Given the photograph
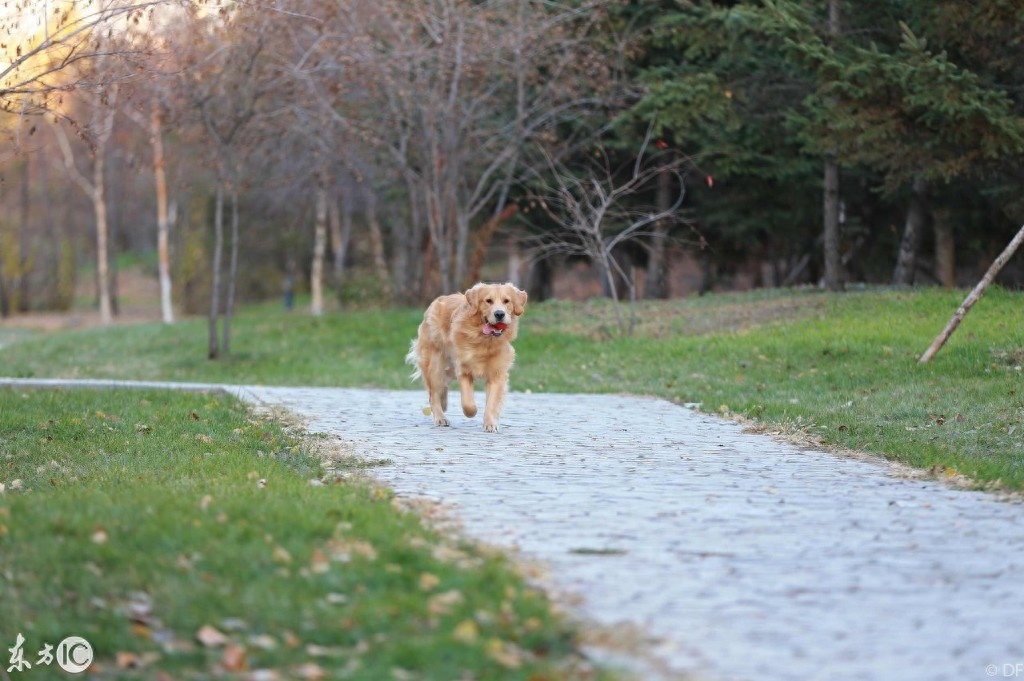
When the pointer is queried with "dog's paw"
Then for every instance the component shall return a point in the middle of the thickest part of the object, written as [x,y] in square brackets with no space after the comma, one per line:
[490,427]
[469,410]
[441,421]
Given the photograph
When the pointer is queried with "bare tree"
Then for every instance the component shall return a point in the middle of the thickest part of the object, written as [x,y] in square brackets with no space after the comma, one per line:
[60,46]
[595,212]
[104,109]
[448,95]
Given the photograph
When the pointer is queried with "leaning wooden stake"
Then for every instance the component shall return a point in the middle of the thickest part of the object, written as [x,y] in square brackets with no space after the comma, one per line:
[971,299]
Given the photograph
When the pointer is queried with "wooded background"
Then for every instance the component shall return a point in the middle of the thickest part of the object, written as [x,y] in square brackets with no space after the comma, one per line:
[390,150]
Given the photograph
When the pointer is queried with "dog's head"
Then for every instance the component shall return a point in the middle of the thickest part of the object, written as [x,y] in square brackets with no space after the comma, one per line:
[497,306]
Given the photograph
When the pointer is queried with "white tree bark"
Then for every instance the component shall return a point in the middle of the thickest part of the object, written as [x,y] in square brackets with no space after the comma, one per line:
[316,283]
[162,214]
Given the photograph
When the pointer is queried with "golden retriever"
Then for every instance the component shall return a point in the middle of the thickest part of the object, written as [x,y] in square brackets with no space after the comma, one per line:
[468,336]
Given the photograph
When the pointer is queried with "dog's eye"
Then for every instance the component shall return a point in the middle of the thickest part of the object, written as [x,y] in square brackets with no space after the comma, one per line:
[490,300]
[505,301]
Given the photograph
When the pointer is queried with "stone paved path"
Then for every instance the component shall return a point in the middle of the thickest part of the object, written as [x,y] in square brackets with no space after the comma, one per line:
[748,559]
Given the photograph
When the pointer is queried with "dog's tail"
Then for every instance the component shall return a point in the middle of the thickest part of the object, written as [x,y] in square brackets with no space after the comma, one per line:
[412,359]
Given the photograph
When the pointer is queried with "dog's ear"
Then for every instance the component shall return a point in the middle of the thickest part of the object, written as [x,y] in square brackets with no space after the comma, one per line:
[471,296]
[518,301]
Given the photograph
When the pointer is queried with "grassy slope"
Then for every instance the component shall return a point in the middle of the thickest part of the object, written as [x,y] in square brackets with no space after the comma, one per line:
[139,520]
[840,368]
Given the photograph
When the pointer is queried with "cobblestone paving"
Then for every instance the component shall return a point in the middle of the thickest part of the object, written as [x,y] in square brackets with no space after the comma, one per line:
[746,558]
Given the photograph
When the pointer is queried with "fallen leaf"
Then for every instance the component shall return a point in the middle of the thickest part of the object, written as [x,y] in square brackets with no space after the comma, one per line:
[126,660]
[263,641]
[233,659]
[281,555]
[442,603]
[466,631]
[211,637]
[263,675]
[335,598]
[204,438]
[319,563]
[429,582]
[310,672]
[505,654]
[99,536]
[314,650]
[205,502]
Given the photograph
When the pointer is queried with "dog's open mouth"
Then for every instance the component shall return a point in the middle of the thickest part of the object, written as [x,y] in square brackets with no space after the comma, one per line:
[493,329]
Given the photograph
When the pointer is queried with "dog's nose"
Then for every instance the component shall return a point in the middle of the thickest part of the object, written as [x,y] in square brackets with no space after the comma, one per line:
[499,315]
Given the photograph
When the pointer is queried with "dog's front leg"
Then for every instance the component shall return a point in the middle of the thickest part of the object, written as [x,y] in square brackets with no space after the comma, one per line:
[497,385]
[468,400]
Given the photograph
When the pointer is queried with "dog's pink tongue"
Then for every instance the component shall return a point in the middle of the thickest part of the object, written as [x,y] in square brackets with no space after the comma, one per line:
[487,329]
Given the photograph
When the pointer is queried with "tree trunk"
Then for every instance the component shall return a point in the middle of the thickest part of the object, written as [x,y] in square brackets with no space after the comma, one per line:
[162,214]
[906,259]
[340,223]
[973,296]
[656,285]
[380,263]
[834,279]
[23,237]
[316,281]
[99,204]
[945,251]
[482,242]
[229,305]
[515,261]
[218,253]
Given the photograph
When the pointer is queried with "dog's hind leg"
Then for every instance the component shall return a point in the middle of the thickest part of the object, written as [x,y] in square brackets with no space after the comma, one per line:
[437,389]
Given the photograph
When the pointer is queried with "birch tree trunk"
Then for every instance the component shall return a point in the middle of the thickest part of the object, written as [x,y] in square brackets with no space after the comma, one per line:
[316,282]
[103,122]
[162,214]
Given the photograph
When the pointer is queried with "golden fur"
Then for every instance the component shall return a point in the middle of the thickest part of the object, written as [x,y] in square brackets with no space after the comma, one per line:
[458,340]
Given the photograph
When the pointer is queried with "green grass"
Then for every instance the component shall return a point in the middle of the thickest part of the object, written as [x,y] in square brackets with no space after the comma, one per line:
[839,370]
[135,518]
